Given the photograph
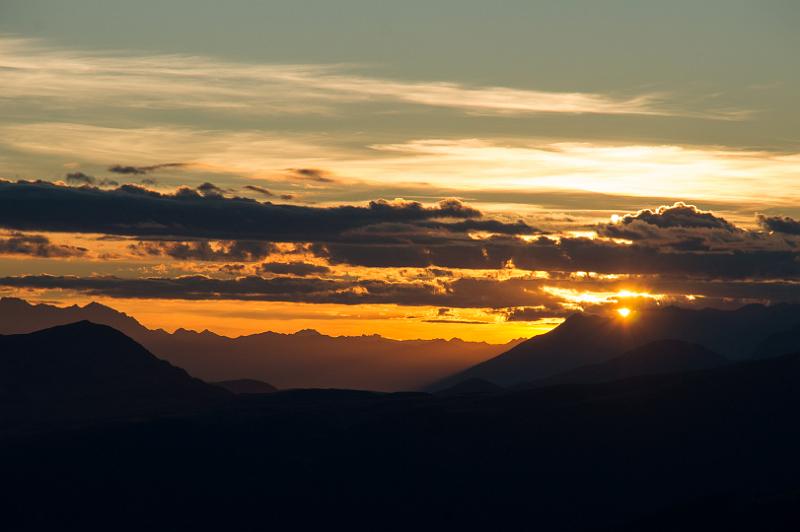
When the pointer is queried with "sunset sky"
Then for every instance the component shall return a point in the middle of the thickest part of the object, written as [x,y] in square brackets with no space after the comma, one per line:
[436,169]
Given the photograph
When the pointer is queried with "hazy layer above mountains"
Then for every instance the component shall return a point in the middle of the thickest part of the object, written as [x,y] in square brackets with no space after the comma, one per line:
[305,359]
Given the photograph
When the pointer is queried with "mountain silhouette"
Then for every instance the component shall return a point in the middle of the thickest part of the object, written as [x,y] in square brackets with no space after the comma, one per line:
[241,386]
[584,339]
[780,343]
[659,357]
[705,450]
[471,386]
[85,371]
[306,359]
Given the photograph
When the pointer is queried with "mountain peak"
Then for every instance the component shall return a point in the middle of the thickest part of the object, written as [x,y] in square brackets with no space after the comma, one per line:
[95,371]
[308,332]
[14,302]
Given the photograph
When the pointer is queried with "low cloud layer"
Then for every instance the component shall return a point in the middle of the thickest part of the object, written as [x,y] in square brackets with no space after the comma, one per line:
[457,256]
[37,246]
[204,213]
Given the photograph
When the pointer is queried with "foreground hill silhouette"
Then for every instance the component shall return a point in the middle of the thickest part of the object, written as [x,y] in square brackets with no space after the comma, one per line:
[659,357]
[84,371]
[703,450]
[706,450]
[302,360]
[240,386]
[585,339]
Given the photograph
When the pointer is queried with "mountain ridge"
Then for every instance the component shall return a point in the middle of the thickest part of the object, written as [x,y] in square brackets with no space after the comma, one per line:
[283,360]
[584,339]
[84,371]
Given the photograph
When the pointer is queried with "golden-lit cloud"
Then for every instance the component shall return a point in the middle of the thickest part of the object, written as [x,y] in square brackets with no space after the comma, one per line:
[702,173]
[644,170]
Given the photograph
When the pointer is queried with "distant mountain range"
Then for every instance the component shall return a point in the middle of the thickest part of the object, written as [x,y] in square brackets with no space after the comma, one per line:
[753,331]
[306,359]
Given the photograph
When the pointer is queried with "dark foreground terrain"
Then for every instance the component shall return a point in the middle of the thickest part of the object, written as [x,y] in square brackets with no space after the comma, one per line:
[712,449]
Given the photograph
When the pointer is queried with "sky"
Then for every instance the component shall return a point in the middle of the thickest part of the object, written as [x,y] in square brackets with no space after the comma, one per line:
[413,169]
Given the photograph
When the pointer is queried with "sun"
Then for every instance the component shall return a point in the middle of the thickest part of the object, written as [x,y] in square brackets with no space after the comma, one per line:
[624,312]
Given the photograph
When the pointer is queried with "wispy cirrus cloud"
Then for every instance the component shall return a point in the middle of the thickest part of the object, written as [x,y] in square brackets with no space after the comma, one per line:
[32,70]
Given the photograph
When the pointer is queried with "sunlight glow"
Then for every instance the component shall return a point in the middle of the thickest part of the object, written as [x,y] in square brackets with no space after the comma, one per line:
[624,312]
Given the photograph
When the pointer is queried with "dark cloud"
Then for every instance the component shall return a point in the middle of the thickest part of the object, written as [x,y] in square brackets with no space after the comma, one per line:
[491,226]
[203,250]
[568,255]
[135,211]
[533,314]
[233,269]
[210,190]
[311,174]
[679,215]
[37,246]
[679,223]
[79,178]
[301,269]
[486,293]
[260,190]
[780,224]
[519,299]
[140,170]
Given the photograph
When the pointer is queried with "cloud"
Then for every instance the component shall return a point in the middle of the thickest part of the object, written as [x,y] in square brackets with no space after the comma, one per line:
[39,72]
[740,258]
[236,250]
[490,226]
[682,239]
[210,190]
[311,174]
[37,246]
[533,314]
[461,293]
[563,175]
[462,322]
[133,211]
[300,269]
[681,227]
[666,171]
[780,224]
[79,178]
[141,170]
[260,190]
[677,215]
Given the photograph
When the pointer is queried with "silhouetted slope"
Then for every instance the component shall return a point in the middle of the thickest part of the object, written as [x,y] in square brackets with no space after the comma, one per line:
[662,356]
[587,339]
[301,360]
[88,371]
[241,386]
[471,386]
[780,343]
